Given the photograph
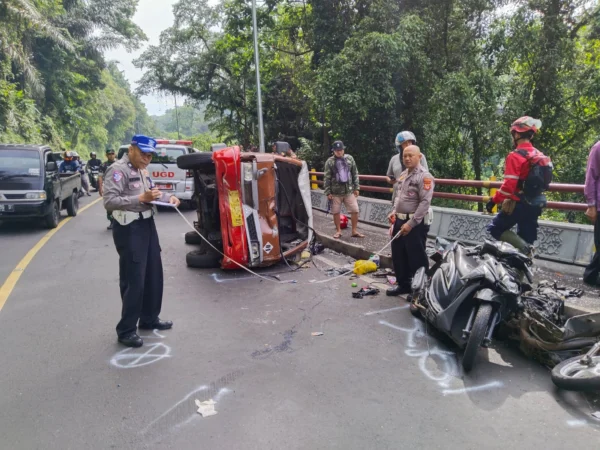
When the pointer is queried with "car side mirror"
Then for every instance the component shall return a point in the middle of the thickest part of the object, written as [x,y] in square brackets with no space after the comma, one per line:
[51,166]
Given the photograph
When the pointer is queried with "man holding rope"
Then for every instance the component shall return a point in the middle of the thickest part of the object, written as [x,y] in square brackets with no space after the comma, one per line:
[409,230]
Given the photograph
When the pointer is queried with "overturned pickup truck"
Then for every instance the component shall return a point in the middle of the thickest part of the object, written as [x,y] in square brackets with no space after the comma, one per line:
[254,208]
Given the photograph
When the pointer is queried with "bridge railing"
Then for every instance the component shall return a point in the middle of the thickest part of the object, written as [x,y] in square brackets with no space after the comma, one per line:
[388,189]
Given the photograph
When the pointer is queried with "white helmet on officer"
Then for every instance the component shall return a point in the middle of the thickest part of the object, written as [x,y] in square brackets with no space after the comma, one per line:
[404,136]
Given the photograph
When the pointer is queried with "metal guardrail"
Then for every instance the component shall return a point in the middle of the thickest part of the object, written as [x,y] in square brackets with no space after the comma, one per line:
[554,187]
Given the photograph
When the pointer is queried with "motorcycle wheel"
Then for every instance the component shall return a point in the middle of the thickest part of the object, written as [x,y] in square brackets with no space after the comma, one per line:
[480,326]
[571,375]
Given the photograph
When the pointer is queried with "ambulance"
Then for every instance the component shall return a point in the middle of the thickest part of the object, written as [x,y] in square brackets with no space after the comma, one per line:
[164,171]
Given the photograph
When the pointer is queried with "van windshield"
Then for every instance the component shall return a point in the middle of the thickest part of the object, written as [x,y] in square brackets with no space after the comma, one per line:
[168,154]
[19,163]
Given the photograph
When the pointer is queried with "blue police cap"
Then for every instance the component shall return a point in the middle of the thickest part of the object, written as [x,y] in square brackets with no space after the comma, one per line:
[144,143]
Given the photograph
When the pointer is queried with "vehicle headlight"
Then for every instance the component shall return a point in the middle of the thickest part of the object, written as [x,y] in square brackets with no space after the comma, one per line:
[248,175]
[255,250]
[35,196]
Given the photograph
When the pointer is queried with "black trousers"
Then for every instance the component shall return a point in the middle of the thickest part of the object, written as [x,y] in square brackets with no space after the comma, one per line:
[408,253]
[593,269]
[140,273]
[524,216]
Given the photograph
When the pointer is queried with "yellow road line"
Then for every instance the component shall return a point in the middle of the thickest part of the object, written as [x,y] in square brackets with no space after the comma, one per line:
[14,276]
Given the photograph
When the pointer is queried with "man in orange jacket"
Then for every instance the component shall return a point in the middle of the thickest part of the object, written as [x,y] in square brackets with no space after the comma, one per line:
[519,207]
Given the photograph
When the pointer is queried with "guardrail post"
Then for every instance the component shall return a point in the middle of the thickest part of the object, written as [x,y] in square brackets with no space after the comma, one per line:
[493,192]
[313,186]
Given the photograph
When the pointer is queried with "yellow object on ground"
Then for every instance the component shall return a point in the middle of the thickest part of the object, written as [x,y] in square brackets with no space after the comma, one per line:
[361,267]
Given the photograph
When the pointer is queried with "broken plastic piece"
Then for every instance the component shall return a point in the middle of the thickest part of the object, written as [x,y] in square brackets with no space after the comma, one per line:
[317,333]
[206,408]
[367,290]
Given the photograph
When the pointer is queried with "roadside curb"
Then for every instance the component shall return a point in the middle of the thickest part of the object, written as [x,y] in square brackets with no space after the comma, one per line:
[355,251]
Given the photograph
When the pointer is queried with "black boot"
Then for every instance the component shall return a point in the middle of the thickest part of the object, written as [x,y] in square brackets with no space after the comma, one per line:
[156,325]
[131,340]
[397,290]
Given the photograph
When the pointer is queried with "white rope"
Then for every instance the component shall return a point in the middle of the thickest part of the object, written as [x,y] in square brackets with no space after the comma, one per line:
[269,279]
[235,262]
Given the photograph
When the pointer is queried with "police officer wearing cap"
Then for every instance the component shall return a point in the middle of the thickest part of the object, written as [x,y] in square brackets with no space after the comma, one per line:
[128,191]
[415,191]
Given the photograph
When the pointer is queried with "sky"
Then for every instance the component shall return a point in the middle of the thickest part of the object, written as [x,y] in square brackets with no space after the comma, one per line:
[153,16]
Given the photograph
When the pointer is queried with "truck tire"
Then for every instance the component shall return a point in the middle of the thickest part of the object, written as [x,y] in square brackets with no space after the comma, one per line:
[192,238]
[199,259]
[72,205]
[201,161]
[53,217]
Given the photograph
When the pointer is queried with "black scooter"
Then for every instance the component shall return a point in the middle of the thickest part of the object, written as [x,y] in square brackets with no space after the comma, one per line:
[470,290]
[93,173]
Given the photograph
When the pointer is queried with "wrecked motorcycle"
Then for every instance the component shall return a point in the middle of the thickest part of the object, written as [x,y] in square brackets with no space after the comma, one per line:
[469,291]
[570,346]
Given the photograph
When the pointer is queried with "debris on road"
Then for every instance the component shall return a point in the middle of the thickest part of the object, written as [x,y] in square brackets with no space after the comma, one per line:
[317,333]
[366,290]
[354,285]
[596,415]
[206,408]
[336,272]
[362,266]
[316,248]
[391,280]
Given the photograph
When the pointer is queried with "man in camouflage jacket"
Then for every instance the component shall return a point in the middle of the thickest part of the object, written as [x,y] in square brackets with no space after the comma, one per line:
[342,187]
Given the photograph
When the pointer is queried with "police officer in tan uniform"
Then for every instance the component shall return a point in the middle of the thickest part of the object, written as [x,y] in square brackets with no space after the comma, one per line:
[415,191]
[128,191]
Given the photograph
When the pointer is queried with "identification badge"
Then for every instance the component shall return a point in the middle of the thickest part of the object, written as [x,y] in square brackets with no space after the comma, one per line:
[236,209]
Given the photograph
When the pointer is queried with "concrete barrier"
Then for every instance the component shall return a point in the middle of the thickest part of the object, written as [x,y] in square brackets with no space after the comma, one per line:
[562,242]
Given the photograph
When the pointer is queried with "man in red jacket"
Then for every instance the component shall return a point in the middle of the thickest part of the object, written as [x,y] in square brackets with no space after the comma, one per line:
[517,208]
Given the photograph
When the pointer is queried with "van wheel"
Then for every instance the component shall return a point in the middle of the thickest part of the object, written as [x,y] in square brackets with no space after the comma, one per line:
[201,161]
[53,218]
[200,259]
[192,238]
[72,205]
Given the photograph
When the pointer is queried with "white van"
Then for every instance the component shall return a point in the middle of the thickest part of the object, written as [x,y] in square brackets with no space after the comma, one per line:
[164,171]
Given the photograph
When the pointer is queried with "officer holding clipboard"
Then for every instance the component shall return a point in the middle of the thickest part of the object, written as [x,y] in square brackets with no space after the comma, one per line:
[128,191]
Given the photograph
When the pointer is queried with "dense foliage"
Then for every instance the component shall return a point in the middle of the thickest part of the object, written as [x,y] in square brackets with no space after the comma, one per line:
[55,85]
[456,72]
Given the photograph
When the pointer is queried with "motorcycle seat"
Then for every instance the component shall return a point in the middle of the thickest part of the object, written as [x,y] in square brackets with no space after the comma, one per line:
[464,262]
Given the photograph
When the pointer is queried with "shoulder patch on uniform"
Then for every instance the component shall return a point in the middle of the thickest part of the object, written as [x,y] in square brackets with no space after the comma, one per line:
[427,183]
[117,176]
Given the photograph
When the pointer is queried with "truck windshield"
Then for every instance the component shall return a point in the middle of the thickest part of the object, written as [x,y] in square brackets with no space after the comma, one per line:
[168,154]
[19,163]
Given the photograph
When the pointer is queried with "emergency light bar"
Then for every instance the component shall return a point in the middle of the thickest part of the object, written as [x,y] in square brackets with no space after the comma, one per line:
[167,141]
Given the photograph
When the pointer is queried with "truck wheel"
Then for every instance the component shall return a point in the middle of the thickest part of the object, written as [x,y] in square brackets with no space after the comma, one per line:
[196,161]
[192,238]
[72,205]
[198,259]
[53,218]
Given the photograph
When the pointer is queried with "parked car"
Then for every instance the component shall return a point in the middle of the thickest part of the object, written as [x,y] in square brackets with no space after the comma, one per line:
[164,171]
[255,208]
[31,187]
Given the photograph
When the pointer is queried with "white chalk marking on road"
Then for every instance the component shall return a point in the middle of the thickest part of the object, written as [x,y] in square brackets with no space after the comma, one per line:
[194,392]
[156,335]
[483,387]
[577,423]
[126,359]
[450,367]
[381,311]
[216,278]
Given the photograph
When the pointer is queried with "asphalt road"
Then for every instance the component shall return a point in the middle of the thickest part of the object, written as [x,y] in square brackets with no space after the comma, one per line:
[373,380]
